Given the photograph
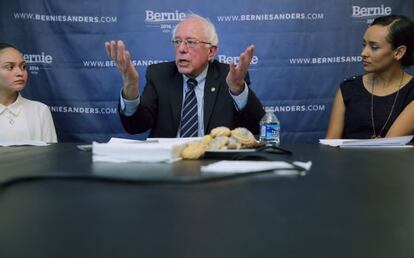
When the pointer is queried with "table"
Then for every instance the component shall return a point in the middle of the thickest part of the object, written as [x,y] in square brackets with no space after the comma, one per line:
[54,202]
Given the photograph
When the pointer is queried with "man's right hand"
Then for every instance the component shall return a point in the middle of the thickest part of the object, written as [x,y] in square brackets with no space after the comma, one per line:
[117,52]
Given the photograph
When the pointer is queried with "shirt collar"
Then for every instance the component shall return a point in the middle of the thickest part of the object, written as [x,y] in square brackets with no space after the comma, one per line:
[201,77]
[14,107]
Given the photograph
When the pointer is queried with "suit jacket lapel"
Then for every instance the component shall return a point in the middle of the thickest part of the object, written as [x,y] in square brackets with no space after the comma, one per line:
[176,98]
[211,90]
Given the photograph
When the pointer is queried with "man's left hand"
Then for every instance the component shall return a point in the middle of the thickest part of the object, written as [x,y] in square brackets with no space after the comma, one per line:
[237,73]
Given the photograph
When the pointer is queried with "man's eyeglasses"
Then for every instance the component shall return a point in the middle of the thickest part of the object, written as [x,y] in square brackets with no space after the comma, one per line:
[191,43]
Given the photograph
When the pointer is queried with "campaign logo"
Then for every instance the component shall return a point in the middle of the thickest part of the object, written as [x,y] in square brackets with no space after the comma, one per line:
[235,59]
[368,14]
[36,62]
[165,21]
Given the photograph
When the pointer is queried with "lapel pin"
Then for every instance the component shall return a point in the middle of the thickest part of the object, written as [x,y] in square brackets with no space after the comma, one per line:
[213,89]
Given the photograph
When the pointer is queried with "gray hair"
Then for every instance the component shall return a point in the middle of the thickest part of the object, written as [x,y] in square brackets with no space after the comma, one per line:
[209,28]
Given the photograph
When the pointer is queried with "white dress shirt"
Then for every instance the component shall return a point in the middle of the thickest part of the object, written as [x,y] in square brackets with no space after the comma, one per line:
[26,120]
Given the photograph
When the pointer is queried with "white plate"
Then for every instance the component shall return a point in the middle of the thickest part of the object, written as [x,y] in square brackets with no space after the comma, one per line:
[231,151]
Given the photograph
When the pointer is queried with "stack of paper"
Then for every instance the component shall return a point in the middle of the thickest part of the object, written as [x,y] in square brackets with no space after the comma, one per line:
[391,142]
[152,150]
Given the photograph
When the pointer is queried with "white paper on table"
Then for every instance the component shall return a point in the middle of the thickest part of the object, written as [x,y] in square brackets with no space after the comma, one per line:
[390,142]
[23,143]
[127,150]
[155,140]
[245,166]
[123,140]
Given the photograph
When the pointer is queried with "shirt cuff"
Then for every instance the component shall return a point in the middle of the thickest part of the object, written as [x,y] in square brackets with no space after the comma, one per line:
[128,107]
[240,101]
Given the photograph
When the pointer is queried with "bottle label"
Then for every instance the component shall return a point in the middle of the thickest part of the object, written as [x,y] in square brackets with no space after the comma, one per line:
[269,132]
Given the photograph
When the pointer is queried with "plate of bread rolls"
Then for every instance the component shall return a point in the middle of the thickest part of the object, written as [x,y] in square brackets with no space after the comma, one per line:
[221,140]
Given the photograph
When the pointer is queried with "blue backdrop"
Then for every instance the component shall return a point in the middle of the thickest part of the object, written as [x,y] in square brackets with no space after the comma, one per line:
[304,49]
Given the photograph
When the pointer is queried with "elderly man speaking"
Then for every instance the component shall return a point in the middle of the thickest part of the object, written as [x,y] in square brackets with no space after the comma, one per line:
[194,94]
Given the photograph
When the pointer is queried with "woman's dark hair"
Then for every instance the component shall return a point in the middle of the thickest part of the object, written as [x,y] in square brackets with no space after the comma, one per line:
[401,33]
[6,45]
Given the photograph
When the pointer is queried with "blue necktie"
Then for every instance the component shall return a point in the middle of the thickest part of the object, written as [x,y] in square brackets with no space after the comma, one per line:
[189,118]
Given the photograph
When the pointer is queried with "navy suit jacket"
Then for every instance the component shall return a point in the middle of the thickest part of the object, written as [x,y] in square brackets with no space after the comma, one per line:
[161,103]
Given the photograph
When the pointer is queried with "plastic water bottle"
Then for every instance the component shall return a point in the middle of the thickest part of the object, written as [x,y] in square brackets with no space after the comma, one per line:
[270,128]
